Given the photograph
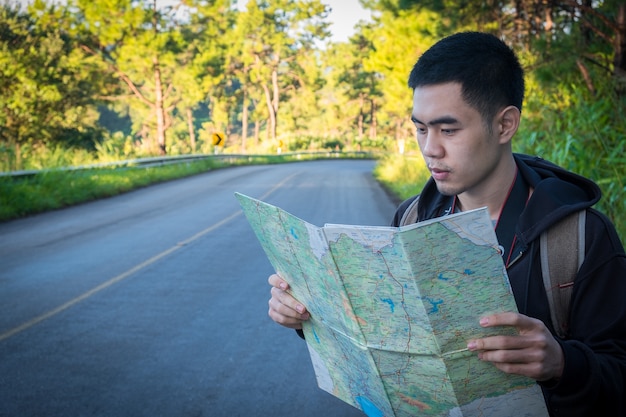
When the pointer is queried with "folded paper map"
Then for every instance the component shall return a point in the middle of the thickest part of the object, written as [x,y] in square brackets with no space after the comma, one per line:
[392,310]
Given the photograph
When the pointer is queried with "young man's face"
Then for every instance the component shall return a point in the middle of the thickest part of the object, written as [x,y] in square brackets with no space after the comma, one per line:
[461,154]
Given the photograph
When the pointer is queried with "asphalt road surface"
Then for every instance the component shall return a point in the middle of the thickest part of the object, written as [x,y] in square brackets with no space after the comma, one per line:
[154,303]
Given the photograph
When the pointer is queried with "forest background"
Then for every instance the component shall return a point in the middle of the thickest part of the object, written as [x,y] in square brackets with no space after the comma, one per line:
[84,81]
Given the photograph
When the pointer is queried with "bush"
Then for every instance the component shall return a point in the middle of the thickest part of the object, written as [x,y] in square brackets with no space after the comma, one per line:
[583,133]
[403,175]
[50,190]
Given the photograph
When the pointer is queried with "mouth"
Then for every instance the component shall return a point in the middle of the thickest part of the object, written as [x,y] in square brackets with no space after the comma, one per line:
[439,174]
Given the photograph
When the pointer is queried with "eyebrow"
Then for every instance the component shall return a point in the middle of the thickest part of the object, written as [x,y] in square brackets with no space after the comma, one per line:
[444,120]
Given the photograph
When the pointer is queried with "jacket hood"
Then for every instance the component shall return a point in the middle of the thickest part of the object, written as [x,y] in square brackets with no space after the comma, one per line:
[556,194]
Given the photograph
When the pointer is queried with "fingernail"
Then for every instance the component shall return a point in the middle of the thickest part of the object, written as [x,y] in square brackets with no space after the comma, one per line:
[300,308]
[471,345]
[484,321]
[283,285]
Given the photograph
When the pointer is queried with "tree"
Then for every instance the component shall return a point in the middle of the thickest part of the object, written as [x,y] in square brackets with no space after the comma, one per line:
[142,45]
[397,41]
[355,89]
[608,23]
[575,32]
[208,36]
[276,33]
[46,89]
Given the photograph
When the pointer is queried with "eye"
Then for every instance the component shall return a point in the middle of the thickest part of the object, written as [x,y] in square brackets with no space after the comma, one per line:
[449,132]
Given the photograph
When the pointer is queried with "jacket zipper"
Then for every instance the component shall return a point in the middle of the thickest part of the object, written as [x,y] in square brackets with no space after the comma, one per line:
[512,262]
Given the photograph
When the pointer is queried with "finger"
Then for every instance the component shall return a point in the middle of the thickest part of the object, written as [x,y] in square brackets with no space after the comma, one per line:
[288,300]
[284,314]
[521,363]
[527,362]
[525,340]
[276,281]
[283,319]
[511,356]
[500,319]
[521,322]
[498,343]
[530,370]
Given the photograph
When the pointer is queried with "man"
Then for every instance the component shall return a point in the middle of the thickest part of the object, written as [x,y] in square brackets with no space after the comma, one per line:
[467,99]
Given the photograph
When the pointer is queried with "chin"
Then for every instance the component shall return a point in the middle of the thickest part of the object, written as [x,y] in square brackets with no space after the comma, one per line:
[447,190]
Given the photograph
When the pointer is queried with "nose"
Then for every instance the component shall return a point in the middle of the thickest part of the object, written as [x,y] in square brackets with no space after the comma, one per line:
[430,145]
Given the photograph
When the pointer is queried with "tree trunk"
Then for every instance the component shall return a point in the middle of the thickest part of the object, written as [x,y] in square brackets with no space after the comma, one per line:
[585,73]
[244,120]
[158,89]
[619,59]
[18,155]
[361,117]
[519,21]
[587,33]
[257,132]
[548,26]
[373,121]
[275,101]
[159,107]
[271,129]
[192,133]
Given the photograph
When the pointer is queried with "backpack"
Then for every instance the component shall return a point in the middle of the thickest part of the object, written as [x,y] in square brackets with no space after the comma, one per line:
[562,250]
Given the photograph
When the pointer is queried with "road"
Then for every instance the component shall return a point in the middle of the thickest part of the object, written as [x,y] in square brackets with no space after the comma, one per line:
[154,303]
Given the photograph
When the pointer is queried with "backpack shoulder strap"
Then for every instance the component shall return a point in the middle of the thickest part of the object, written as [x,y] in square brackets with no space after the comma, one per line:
[562,249]
[410,214]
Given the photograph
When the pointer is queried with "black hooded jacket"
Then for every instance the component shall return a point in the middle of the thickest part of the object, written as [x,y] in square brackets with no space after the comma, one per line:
[594,376]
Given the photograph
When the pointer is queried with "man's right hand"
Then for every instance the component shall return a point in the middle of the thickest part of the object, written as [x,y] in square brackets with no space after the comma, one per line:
[284,309]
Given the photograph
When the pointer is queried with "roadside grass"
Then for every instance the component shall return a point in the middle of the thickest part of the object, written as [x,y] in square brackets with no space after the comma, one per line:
[402,175]
[55,189]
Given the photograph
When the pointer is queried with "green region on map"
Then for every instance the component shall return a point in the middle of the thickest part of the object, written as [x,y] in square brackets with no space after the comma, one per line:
[392,310]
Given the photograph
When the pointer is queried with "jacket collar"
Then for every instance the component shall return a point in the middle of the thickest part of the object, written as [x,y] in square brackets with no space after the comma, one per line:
[556,193]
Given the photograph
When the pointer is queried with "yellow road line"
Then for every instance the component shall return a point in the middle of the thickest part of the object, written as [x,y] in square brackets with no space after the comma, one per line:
[131,271]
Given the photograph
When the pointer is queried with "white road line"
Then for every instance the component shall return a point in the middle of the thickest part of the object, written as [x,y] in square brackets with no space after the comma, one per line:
[133,270]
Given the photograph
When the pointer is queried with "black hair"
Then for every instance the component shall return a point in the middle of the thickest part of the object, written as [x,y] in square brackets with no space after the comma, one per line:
[488,71]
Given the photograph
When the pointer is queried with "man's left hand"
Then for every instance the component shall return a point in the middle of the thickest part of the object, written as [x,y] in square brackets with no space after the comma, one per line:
[534,353]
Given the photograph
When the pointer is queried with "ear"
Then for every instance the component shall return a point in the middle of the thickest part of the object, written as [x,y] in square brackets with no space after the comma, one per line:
[507,122]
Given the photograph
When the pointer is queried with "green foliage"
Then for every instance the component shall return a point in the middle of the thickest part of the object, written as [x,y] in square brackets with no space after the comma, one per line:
[273,56]
[351,93]
[404,176]
[397,43]
[113,147]
[584,133]
[117,147]
[194,67]
[303,143]
[333,145]
[213,58]
[54,156]
[52,190]
[45,92]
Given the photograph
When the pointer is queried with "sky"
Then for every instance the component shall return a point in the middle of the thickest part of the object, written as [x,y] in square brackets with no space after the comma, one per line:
[343,16]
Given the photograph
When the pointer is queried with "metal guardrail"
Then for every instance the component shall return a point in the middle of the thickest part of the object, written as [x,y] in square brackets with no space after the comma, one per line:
[179,159]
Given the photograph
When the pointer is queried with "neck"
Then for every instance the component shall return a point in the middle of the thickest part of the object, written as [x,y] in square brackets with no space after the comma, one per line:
[492,193]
